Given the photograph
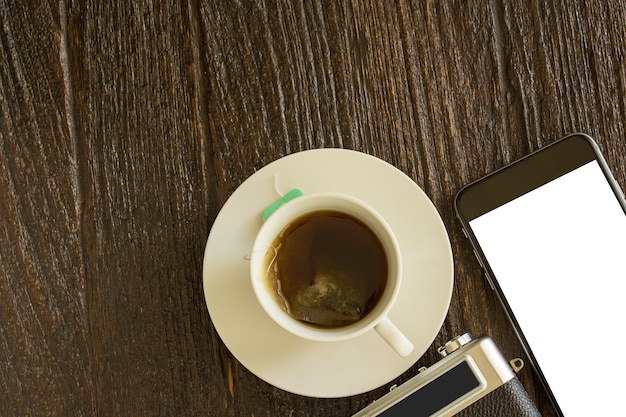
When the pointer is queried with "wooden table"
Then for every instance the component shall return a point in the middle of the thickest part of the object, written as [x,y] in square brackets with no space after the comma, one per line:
[125,127]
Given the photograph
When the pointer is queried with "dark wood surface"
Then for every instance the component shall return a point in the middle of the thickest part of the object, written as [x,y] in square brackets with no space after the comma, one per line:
[125,126]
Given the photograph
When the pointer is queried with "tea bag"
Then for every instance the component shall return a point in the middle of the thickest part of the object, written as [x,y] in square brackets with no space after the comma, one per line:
[334,296]
[325,302]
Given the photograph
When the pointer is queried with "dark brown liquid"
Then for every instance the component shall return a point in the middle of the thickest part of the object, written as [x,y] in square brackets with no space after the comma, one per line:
[327,269]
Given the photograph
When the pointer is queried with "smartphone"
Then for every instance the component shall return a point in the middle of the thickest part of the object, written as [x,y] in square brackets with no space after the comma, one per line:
[549,231]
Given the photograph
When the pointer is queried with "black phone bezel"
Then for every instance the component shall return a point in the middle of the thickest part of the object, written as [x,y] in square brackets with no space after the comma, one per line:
[515,180]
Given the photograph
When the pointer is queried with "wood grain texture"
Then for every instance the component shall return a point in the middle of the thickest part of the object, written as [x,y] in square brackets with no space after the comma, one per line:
[124,128]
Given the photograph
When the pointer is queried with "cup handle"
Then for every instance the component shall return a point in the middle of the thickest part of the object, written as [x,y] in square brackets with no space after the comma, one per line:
[390,333]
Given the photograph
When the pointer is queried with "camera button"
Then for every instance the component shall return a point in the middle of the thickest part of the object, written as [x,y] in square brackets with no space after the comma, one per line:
[454,344]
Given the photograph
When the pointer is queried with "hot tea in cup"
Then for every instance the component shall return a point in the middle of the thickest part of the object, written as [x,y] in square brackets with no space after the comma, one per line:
[327,267]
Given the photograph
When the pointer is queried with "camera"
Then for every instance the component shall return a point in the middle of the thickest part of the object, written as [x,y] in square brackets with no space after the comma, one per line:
[472,380]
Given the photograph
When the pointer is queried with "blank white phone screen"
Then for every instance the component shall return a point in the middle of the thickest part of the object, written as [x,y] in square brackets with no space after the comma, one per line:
[558,254]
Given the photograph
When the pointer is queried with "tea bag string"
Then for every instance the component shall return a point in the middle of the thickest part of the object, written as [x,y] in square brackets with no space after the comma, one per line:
[277,189]
[293,193]
[276,185]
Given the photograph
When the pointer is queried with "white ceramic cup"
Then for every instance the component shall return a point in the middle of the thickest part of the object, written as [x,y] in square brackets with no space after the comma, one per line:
[377,319]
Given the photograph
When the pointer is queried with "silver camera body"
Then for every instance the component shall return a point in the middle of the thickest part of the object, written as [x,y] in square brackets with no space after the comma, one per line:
[472,380]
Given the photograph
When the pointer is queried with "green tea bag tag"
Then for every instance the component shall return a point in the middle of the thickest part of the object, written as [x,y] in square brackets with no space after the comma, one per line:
[295,193]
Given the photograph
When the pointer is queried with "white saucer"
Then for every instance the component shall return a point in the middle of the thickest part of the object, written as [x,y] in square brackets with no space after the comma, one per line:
[319,369]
